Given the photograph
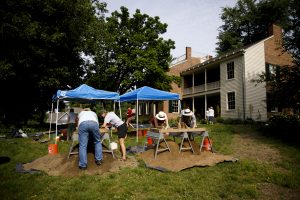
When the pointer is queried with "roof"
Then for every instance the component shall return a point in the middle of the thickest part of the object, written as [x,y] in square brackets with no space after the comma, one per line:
[85,93]
[148,93]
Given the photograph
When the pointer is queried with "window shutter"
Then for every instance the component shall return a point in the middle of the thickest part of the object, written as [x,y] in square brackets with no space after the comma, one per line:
[170,106]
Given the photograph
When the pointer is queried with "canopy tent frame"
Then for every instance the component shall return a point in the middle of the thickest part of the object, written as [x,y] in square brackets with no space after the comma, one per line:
[147,94]
[86,94]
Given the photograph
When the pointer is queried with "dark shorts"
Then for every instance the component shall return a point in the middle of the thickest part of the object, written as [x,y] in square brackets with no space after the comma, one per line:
[122,131]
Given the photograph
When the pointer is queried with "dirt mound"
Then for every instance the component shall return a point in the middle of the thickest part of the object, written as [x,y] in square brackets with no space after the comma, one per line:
[60,165]
[175,161]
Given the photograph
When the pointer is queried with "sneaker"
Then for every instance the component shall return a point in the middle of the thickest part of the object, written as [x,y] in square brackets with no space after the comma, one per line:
[82,168]
[99,162]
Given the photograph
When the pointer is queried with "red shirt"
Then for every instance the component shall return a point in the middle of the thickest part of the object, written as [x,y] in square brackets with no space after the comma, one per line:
[129,113]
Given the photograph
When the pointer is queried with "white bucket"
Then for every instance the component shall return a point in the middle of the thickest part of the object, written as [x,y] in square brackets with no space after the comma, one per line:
[113,146]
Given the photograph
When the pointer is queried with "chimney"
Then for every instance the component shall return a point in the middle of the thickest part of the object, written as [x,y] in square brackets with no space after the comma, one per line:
[188,53]
[276,31]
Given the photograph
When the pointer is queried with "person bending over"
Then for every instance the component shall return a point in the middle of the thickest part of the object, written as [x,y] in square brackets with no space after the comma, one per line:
[88,128]
[187,119]
[113,119]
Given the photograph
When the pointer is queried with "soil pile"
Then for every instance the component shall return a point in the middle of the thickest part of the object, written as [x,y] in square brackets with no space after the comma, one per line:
[175,161]
[60,165]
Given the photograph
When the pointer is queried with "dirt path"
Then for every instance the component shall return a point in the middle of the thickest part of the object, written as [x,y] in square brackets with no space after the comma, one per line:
[249,145]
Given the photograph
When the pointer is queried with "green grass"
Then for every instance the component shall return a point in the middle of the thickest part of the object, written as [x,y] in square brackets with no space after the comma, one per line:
[238,180]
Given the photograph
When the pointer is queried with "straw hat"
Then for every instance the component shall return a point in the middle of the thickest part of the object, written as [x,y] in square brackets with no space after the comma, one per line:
[187,112]
[161,115]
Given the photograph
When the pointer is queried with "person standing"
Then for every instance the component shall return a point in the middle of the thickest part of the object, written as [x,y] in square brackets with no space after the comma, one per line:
[130,115]
[211,115]
[207,115]
[88,127]
[113,119]
[71,123]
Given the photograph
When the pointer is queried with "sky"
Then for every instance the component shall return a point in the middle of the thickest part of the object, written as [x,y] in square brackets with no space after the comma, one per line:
[191,23]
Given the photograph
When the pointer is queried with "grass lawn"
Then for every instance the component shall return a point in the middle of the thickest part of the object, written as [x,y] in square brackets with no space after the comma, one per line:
[267,169]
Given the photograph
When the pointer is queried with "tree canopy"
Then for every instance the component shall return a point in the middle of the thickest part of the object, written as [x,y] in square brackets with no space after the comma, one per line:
[247,22]
[41,43]
[60,44]
[133,53]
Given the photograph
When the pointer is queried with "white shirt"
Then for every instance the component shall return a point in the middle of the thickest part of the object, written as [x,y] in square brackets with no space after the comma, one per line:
[211,112]
[113,119]
[87,116]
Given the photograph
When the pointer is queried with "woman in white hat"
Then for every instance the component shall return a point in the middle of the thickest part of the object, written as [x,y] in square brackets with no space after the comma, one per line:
[160,120]
[187,117]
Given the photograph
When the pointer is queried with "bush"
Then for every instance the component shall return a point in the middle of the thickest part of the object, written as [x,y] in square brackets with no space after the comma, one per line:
[284,126]
[220,120]
[232,121]
[173,122]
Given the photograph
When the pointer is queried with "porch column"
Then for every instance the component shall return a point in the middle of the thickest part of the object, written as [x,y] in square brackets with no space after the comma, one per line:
[193,89]
[205,88]
[193,103]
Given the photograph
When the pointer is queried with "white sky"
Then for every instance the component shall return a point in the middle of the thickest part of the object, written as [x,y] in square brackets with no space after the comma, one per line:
[191,23]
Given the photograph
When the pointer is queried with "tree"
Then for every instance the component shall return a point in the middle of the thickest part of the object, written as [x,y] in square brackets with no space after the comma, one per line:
[41,45]
[132,53]
[248,22]
[252,26]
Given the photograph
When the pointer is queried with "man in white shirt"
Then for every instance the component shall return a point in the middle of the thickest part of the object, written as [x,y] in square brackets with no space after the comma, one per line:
[88,127]
[211,115]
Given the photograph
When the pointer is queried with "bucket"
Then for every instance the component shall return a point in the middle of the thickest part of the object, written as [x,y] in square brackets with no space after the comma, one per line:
[149,140]
[145,132]
[140,133]
[113,146]
[53,149]
[206,145]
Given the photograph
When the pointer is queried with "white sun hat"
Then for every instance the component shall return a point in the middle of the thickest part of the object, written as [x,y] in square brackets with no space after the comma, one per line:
[161,115]
[187,112]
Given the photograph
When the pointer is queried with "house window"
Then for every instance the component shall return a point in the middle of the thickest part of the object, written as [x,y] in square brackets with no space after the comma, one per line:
[271,71]
[230,70]
[173,106]
[144,108]
[274,109]
[231,100]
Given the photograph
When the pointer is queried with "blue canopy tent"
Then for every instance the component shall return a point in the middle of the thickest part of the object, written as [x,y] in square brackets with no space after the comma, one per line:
[147,94]
[85,94]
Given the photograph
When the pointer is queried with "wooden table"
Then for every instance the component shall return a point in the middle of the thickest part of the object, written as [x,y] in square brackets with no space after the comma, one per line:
[185,134]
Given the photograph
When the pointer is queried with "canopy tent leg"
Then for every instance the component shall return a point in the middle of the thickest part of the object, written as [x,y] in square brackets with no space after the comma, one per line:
[56,121]
[120,110]
[137,120]
[51,112]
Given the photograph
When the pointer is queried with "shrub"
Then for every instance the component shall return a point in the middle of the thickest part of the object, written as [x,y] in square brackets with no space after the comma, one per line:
[282,125]
[219,119]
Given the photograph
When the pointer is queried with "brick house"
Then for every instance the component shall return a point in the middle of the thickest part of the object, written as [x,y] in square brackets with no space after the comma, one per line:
[179,65]
[225,82]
